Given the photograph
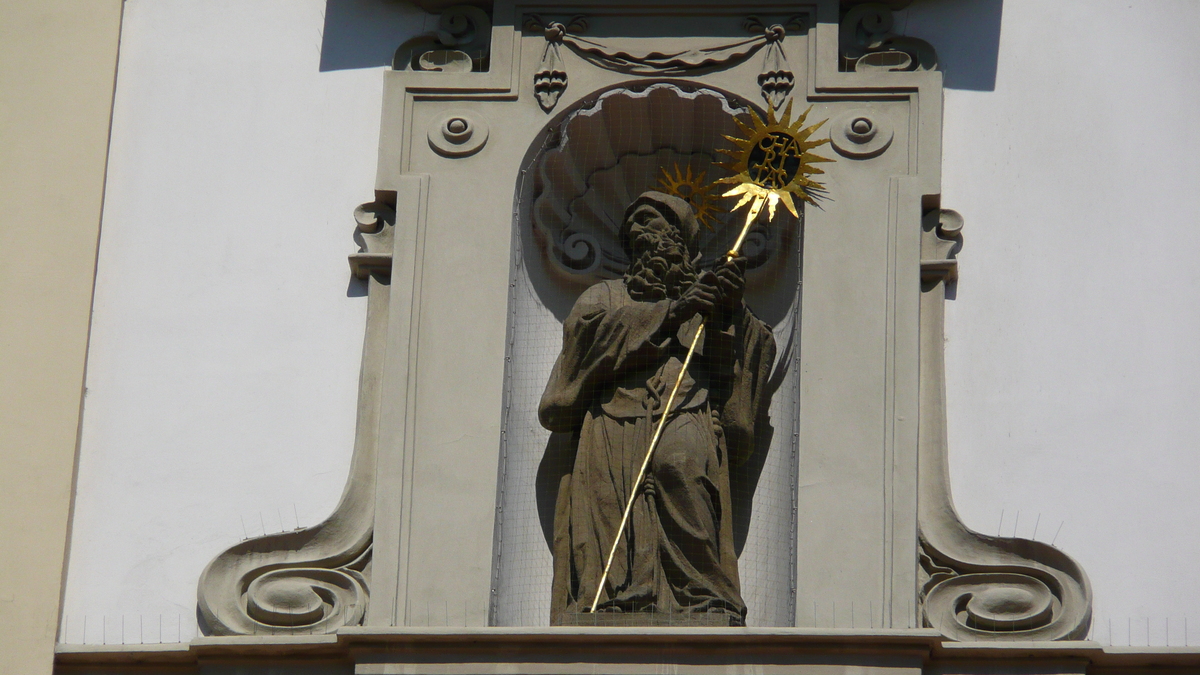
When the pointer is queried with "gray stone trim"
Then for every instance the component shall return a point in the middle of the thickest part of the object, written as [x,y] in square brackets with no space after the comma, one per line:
[317,578]
[636,651]
[976,586]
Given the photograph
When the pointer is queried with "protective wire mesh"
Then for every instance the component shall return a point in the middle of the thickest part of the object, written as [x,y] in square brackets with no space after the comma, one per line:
[711,537]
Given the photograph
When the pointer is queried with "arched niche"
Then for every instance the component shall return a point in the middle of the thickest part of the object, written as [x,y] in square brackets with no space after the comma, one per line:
[577,177]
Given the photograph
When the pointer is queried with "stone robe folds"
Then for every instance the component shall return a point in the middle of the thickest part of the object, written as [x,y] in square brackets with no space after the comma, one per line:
[607,389]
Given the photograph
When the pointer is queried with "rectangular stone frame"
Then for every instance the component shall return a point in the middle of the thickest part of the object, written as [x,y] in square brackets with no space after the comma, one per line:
[443,376]
[878,544]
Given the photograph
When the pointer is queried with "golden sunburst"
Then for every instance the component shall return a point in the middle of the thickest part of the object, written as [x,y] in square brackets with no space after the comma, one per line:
[773,163]
[693,189]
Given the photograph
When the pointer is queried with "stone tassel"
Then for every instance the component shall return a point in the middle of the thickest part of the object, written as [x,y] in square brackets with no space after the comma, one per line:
[550,80]
[776,79]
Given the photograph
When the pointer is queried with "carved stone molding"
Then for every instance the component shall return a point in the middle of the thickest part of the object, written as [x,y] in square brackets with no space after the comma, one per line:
[460,43]
[867,43]
[775,81]
[458,133]
[861,133]
[550,79]
[316,579]
[376,229]
[974,586]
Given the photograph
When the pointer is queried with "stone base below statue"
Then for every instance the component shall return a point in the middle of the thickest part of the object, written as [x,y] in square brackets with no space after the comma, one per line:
[650,619]
[617,650]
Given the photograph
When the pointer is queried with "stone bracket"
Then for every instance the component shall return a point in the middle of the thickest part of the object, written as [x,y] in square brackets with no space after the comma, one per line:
[975,586]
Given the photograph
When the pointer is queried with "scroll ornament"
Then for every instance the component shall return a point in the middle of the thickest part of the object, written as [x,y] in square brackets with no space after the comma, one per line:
[315,579]
[974,586]
[374,236]
[550,80]
[867,42]
[460,44]
[305,581]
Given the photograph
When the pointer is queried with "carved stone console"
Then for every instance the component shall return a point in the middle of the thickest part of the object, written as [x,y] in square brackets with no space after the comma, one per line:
[512,139]
[976,586]
[317,579]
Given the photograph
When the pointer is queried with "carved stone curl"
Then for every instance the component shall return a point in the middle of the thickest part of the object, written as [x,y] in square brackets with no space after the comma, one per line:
[460,43]
[975,586]
[867,42]
[316,579]
[376,227]
[312,580]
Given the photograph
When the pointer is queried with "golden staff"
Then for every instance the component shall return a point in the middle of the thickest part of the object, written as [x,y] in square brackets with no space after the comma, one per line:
[770,165]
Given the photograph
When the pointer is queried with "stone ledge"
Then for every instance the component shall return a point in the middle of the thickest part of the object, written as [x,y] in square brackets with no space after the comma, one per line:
[628,650]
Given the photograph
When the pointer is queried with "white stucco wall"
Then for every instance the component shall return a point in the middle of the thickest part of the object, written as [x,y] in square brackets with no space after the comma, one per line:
[1073,368]
[226,336]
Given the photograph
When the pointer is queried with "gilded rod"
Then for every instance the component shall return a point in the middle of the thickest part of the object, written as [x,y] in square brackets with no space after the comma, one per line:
[662,422]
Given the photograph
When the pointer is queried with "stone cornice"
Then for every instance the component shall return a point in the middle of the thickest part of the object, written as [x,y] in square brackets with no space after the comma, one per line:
[625,650]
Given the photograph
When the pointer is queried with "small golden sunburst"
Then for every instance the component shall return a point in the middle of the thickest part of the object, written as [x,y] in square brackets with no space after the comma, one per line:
[773,163]
[693,189]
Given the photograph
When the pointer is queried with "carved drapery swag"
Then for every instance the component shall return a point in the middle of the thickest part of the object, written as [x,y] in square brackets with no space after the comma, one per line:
[775,81]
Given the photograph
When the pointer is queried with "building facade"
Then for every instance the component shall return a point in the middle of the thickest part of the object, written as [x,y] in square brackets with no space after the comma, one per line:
[226,161]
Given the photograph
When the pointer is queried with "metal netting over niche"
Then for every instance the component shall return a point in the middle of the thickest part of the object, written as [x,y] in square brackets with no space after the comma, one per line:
[619,257]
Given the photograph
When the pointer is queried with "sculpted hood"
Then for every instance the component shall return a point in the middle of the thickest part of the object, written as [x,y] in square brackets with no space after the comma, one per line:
[677,212]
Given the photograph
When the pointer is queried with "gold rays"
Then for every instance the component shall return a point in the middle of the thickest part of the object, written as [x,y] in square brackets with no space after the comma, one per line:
[693,189]
[772,164]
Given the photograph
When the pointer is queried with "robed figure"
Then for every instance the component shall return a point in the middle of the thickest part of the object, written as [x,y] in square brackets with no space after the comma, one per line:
[624,344]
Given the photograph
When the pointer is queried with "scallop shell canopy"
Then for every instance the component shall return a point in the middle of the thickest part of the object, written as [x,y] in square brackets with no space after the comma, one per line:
[610,152]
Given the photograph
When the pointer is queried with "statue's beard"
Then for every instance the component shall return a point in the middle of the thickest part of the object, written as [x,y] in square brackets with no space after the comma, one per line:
[663,270]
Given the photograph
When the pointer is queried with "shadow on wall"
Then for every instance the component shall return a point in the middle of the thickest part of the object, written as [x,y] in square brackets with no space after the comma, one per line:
[966,35]
[366,33]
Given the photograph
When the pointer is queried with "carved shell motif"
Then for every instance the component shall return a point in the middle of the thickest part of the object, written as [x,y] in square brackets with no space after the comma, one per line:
[609,152]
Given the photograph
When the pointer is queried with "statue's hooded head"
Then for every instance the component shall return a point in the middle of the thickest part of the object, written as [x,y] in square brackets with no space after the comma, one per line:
[658,235]
[650,205]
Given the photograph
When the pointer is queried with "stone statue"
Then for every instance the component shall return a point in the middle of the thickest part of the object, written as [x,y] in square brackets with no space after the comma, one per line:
[624,343]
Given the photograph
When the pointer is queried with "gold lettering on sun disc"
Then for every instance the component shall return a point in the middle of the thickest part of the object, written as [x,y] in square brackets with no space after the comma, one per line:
[775,160]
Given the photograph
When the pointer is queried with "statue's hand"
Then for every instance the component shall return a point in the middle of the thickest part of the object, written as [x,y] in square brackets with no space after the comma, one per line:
[731,282]
[699,298]
[649,486]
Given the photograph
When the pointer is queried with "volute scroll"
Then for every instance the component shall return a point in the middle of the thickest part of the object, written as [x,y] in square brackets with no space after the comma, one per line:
[975,586]
[316,579]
